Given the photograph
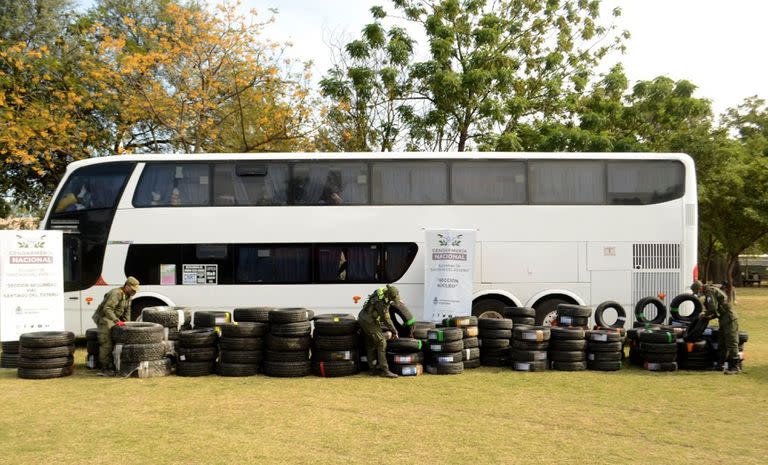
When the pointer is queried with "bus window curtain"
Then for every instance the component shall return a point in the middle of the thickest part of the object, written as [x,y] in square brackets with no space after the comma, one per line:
[396,261]
[156,186]
[362,262]
[251,268]
[329,261]
[291,264]
[193,184]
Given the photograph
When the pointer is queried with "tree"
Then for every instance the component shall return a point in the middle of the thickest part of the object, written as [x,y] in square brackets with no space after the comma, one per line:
[5,208]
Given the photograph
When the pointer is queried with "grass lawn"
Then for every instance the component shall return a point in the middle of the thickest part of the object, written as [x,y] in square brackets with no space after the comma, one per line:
[486,415]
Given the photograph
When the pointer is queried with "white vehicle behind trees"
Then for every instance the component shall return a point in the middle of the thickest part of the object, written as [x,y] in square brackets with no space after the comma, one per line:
[322,231]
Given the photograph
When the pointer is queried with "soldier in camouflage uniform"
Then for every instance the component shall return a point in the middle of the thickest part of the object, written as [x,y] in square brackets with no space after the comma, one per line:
[115,309]
[374,314]
[716,306]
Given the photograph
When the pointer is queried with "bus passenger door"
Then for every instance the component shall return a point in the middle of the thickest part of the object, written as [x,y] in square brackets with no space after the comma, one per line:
[72,280]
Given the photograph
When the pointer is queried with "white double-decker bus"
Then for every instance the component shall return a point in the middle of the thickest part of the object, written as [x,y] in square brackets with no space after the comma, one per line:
[324,230]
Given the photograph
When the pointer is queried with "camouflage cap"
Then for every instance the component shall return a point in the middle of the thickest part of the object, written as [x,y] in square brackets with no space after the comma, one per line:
[394,294]
[133,283]
[697,286]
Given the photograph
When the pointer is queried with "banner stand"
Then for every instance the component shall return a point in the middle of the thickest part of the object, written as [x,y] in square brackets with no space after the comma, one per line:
[448,272]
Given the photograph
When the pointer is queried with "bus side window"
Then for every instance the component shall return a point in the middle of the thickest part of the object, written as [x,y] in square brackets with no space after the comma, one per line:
[93,187]
[166,184]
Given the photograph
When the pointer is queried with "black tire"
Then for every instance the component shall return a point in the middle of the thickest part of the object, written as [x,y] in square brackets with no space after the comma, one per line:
[674,307]
[91,334]
[695,330]
[470,354]
[335,326]
[418,325]
[290,315]
[287,369]
[496,352]
[693,347]
[660,366]
[197,354]
[540,365]
[245,329]
[403,319]
[241,343]
[445,335]
[603,336]
[621,314]
[743,337]
[168,317]
[415,369]
[528,355]
[572,321]
[604,356]
[190,369]
[661,310]
[470,342]
[137,333]
[252,314]
[445,368]
[300,328]
[138,306]
[604,365]
[566,333]
[11,347]
[345,342]
[294,356]
[334,369]
[567,344]
[45,373]
[9,360]
[523,321]
[604,346]
[248,357]
[494,324]
[288,343]
[460,321]
[336,355]
[46,352]
[660,336]
[658,347]
[535,334]
[519,312]
[442,358]
[44,339]
[404,345]
[658,357]
[567,356]
[493,343]
[92,347]
[198,338]
[210,319]
[452,346]
[420,333]
[470,331]
[494,361]
[470,364]
[405,359]
[567,366]
[495,333]
[576,311]
[546,311]
[487,305]
[530,345]
[143,352]
[236,369]
[44,363]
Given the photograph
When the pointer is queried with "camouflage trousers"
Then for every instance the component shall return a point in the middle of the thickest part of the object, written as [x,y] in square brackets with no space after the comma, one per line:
[105,344]
[728,337]
[375,342]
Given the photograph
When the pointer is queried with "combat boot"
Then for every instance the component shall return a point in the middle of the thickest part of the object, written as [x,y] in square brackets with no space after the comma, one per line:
[733,366]
[108,373]
[387,374]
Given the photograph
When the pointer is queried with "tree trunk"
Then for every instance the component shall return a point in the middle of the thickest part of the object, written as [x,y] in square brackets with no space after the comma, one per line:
[733,259]
[708,259]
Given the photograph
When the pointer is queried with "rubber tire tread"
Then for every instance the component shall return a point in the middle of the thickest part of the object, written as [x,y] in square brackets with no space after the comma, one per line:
[198,338]
[445,368]
[207,318]
[44,339]
[445,334]
[567,366]
[573,310]
[248,329]
[334,369]
[494,323]
[45,373]
[495,333]
[540,365]
[493,343]
[248,357]
[143,352]
[451,346]
[236,369]
[290,315]
[567,344]
[287,369]
[604,365]
[197,354]
[593,346]
[661,310]
[674,307]
[566,333]
[401,316]
[137,332]
[620,312]
[528,355]
[345,342]
[542,333]
[405,359]
[404,345]
[331,327]
[300,328]
[598,335]
[43,363]
[529,345]
[470,342]
[252,314]
[286,356]
[336,355]
[519,312]
[288,344]
[47,352]
[193,369]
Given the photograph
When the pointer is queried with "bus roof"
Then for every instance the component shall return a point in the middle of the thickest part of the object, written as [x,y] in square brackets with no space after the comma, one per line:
[313,156]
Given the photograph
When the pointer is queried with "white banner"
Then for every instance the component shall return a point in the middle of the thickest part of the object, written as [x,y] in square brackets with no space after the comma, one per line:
[449,271]
[31,283]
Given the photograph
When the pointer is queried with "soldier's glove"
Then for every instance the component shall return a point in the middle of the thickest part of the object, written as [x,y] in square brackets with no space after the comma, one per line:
[394,335]
[120,323]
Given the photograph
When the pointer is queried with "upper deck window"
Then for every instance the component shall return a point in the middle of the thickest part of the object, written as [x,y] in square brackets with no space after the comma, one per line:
[323,183]
[645,182]
[491,182]
[410,183]
[93,187]
[173,185]
[566,182]
[251,183]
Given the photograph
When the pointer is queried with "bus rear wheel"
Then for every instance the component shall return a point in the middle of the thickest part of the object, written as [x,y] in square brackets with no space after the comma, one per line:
[546,311]
[140,304]
[489,308]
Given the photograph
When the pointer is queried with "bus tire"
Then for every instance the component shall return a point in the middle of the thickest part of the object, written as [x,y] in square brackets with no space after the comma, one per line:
[567,344]
[620,312]
[344,342]
[236,369]
[250,357]
[252,314]
[519,312]
[496,333]
[42,363]
[241,343]
[137,333]
[494,323]
[567,356]
[485,306]
[404,345]
[661,310]
[143,352]
[334,369]
[287,369]
[198,354]
[46,352]
[279,343]
[546,310]
[198,338]
[46,339]
[471,342]
[290,315]
[45,373]
[9,360]
[567,366]
[244,329]
[674,307]
[445,368]
[403,319]
[593,346]
[572,310]
[191,369]
[287,356]
[335,326]
[299,328]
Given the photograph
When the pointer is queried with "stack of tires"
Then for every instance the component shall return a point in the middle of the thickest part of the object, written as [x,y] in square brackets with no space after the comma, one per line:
[649,311]
[420,329]
[405,356]
[605,350]
[494,335]
[658,349]
[445,351]
[334,346]
[521,316]
[172,319]
[694,355]
[288,343]
[140,351]
[92,349]
[46,354]
[470,330]
[573,316]
[711,335]
[9,358]
[567,349]
[240,348]
[529,348]
[210,318]
[197,352]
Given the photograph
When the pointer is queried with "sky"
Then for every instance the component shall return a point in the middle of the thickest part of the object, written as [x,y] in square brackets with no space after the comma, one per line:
[716,44]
